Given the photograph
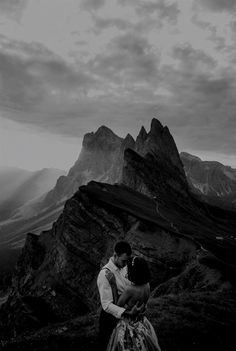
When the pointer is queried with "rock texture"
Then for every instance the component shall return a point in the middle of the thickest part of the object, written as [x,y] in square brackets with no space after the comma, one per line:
[102,159]
[215,182]
[55,278]
[54,303]
[97,161]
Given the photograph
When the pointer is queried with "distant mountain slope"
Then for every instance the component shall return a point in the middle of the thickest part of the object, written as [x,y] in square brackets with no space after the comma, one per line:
[11,179]
[212,180]
[31,187]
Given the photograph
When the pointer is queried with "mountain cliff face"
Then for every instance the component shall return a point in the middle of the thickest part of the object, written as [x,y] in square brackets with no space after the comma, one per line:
[100,151]
[215,182]
[101,158]
[160,143]
[53,302]
[156,155]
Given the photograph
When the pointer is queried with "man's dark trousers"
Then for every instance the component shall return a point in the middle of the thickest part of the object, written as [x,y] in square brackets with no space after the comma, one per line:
[107,323]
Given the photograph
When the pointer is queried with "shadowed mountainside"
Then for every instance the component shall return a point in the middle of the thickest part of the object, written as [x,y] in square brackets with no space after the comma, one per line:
[55,277]
[54,300]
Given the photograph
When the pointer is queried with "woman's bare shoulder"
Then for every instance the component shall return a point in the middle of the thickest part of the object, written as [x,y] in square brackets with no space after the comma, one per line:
[130,288]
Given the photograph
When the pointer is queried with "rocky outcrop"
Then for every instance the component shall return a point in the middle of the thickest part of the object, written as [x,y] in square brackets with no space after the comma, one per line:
[59,267]
[54,296]
[55,278]
[102,154]
[98,160]
[168,187]
[215,182]
[154,166]
[160,143]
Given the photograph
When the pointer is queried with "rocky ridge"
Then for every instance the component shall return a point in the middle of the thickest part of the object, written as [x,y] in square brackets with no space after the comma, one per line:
[54,300]
[102,159]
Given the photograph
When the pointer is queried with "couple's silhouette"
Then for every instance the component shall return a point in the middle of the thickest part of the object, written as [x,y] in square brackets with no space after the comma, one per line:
[123,285]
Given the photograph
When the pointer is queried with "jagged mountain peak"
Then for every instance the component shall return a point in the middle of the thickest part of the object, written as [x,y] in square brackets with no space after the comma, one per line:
[160,143]
[156,127]
[103,137]
[141,139]
[143,133]
[129,136]
[102,156]
[129,141]
[105,131]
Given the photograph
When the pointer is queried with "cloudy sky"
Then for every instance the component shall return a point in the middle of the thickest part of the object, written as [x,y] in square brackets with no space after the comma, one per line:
[70,66]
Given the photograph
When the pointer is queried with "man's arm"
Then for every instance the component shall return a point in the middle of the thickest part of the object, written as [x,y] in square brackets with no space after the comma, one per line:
[130,312]
[124,297]
[106,296]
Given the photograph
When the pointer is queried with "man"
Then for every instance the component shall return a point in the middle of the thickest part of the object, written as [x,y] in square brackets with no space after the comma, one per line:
[111,313]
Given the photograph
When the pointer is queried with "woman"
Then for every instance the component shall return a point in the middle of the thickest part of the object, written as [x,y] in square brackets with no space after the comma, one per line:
[133,333]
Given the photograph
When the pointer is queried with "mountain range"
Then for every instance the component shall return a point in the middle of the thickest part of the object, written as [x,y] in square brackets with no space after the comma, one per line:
[215,182]
[141,194]
[101,159]
[36,199]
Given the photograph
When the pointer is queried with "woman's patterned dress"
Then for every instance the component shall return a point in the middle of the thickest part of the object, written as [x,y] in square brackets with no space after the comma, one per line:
[133,335]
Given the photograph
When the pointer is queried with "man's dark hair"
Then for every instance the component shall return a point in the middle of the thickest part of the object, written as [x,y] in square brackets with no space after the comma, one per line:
[138,271]
[122,247]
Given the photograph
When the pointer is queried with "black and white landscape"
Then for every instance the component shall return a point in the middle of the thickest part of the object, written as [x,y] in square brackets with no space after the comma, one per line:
[109,194]
[117,121]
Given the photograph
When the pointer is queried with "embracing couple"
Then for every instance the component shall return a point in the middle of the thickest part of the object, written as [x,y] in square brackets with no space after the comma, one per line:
[123,285]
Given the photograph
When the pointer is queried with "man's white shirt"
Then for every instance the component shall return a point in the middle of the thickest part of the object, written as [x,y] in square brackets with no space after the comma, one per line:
[105,290]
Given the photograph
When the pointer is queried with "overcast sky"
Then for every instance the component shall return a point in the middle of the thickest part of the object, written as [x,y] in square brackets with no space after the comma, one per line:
[70,66]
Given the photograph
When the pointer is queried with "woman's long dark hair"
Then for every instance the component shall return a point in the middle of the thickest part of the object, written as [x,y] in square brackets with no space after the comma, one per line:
[138,271]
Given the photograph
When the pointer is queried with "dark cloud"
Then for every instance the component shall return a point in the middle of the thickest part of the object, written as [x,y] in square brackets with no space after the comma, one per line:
[102,24]
[87,114]
[57,74]
[27,50]
[164,10]
[219,5]
[214,88]
[126,85]
[13,8]
[18,88]
[25,83]
[202,104]
[129,58]
[92,4]
[191,59]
